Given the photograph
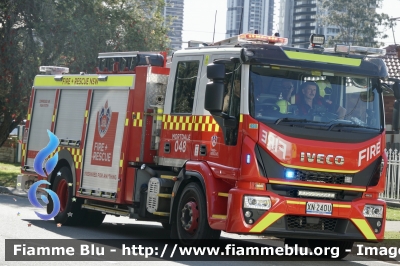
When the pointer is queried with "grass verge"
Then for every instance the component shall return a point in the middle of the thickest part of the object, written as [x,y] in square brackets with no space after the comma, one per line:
[8,174]
[392,214]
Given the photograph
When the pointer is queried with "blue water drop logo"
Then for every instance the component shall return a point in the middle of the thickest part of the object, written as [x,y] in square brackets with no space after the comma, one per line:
[49,166]
[32,198]
[44,153]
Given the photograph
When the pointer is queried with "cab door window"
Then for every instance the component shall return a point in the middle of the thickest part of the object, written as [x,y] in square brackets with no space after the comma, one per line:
[232,90]
[184,87]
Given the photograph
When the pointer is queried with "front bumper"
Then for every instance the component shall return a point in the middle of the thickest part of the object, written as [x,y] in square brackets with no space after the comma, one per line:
[287,217]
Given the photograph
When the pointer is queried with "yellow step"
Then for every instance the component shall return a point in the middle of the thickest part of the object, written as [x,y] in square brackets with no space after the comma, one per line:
[161,213]
[219,216]
[161,195]
[170,177]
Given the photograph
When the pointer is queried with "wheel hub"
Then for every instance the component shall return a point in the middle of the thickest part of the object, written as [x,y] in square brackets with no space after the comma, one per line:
[190,216]
[62,193]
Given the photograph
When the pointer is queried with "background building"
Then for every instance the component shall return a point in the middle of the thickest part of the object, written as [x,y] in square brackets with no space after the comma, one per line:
[249,15]
[285,19]
[299,19]
[174,9]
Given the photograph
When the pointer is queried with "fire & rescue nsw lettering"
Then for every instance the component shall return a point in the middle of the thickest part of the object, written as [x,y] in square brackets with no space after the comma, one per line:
[101,152]
[369,153]
[80,81]
[274,144]
[103,141]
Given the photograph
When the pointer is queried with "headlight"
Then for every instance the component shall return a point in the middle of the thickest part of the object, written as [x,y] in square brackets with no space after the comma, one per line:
[254,202]
[373,211]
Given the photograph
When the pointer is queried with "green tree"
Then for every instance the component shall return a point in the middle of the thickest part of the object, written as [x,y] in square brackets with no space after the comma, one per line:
[67,33]
[18,62]
[357,21]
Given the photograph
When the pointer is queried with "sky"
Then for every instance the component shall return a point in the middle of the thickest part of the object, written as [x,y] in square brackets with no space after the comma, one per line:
[199,17]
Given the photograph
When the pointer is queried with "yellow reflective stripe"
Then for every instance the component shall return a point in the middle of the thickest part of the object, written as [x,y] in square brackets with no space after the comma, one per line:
[86,80]
[364,228]
[295,202]
[321,169]
[121,163]
[312,185]
[323,58]
[304,203]
[342,206]
[266,221]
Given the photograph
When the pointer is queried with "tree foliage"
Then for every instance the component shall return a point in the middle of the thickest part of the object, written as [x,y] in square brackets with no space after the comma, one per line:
[358,21]
[67,33]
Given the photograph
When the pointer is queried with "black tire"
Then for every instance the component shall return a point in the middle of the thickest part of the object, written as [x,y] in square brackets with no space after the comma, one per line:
[92,218]
[166,226]
[341,244]
[68,206]
[193,234]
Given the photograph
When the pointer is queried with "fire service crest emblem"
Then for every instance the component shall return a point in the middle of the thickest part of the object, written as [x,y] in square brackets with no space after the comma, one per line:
[104,119]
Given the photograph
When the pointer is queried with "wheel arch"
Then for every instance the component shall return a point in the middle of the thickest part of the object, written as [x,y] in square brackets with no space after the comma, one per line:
[64,159]
[184,178]
[201,173]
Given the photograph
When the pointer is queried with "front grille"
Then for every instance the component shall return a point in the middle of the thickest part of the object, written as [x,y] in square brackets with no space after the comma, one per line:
[322,177]
[292,192]
[309,223]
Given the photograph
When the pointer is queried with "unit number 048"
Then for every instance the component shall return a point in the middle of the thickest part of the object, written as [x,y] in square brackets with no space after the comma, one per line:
[180,146]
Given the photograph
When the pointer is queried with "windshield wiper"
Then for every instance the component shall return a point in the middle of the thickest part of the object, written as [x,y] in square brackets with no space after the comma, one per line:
[290,120]
[349,125]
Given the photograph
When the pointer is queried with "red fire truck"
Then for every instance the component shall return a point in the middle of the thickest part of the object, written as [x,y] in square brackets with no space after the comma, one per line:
[245,135]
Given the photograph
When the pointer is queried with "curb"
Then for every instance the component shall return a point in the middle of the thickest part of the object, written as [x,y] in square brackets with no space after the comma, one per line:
[394,204]
[13,191]
[4,190]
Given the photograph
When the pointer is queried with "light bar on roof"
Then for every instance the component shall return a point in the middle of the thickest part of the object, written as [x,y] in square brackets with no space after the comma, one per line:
[249,37]
[54,70]
[342,48]
[367,50]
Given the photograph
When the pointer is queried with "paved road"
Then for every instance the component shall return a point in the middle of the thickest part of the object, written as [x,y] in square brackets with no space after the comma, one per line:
[17,213]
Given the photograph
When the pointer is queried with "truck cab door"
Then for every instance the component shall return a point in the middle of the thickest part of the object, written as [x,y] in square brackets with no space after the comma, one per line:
[217,143]
[179,121]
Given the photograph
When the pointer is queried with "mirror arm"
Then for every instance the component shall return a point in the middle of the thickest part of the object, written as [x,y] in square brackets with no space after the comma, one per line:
[228,121]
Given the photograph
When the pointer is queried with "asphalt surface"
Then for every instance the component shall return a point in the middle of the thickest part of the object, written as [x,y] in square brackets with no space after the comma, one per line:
[18,221]
[393,226]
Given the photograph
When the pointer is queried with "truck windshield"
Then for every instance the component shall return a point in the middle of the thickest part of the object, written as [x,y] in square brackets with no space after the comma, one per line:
[314,98]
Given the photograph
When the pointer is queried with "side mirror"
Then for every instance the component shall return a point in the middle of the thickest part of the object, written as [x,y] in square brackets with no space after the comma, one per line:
[214,97]
[396,90]
[396,115]
[216,71]
[245,55]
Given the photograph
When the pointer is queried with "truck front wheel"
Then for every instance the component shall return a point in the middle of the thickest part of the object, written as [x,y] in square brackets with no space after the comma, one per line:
[70,209]
[191,220]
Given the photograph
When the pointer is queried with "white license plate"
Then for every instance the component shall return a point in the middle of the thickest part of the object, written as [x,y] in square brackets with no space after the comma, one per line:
[319,208]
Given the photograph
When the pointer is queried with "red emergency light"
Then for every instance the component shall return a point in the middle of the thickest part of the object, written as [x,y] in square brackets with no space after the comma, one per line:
[249,37]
